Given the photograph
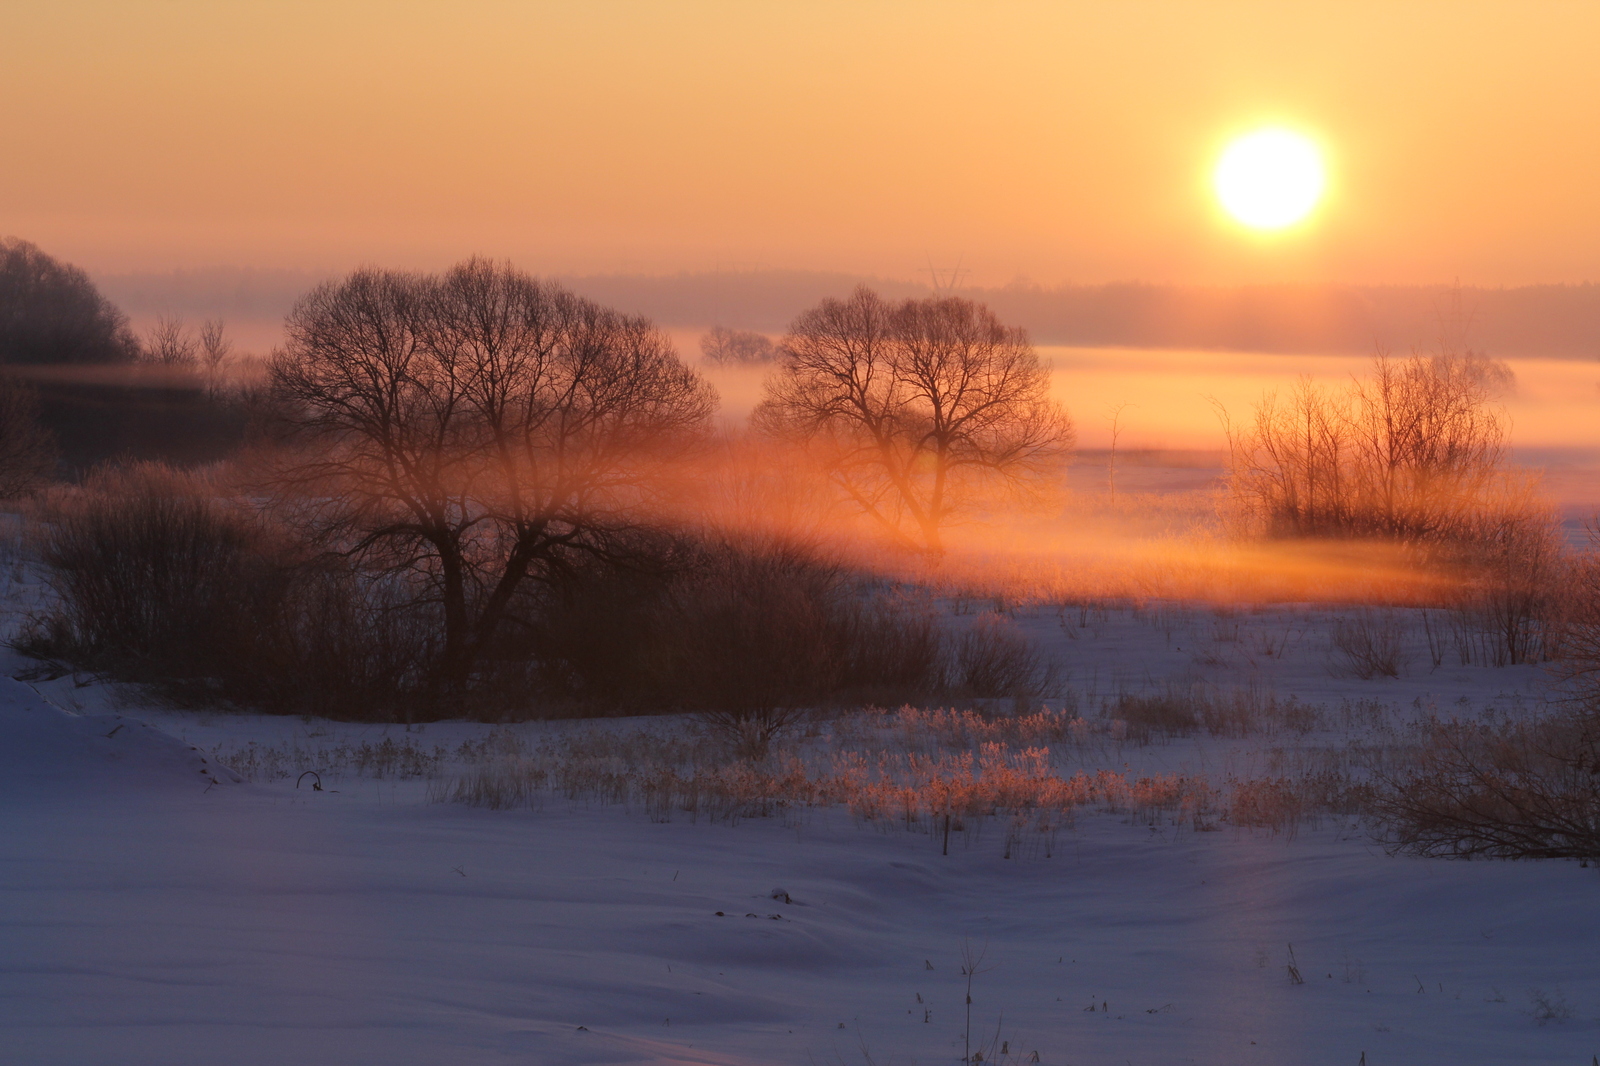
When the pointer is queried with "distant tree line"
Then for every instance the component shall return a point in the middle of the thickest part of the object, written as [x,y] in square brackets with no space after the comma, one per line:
[78,387]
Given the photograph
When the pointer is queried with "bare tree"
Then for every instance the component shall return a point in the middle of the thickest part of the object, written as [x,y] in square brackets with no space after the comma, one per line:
[214,346]
[27,450]
[916,409]
[1289,470]
[1428,441]
[477,430]
[170,343]
[736,347]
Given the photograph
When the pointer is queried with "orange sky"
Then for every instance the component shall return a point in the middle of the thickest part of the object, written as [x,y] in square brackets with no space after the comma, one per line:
[1059,141]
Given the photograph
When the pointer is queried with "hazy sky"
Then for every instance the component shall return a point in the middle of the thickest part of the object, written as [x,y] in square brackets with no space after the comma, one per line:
[1059,141]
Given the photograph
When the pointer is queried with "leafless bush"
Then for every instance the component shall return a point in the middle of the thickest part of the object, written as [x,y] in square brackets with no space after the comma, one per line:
[1578,650]
[1413,453]
[159,577]
[754,639]
[153,576]
[1369,643]
[1184,710]
[171,343]
[994,659]
[1546,1007]
[1149,717]
[753,632]
[1513,789]
[1511,600]
[27,449]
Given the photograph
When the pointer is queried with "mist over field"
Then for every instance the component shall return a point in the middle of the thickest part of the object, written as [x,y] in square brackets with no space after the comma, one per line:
[799,534]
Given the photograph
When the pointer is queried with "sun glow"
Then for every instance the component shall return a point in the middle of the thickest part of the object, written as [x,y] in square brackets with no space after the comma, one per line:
[1270,179]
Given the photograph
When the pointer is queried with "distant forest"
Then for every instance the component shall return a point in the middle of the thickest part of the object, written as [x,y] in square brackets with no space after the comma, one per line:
[1560,321]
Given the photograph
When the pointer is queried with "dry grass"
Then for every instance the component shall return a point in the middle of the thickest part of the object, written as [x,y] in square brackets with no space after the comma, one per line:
[967,771]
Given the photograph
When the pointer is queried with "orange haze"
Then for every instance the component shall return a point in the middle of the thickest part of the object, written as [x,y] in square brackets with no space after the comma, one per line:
[1058,140]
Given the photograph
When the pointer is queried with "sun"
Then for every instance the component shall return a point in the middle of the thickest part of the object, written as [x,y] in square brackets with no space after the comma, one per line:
[1270,179]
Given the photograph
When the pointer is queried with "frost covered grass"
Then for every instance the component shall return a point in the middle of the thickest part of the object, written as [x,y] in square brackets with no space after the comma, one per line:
[935,772]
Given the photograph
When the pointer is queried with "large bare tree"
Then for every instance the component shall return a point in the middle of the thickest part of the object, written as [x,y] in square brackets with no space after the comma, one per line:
[918,410]
[479,429]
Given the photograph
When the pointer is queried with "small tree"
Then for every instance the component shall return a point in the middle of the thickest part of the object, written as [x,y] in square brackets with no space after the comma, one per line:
[916,409]
[477,430]
[170,343]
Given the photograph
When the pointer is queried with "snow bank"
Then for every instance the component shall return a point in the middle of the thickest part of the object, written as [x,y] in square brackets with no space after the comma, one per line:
[44,749]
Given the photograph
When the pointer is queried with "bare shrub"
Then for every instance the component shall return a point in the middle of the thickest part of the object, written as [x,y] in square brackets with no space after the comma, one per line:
[1179,711]
[27,449]
[1578,650]
[1414,454]
[154,578]
[1369,644]
[1513,789]
[1546,1007]
[160,578]
[1510,602]
[1148,717]
[755,640]
[994,659]
[171,343]
[755,633]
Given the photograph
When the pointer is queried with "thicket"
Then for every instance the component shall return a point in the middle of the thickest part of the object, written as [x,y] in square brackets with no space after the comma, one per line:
[172,579]
[1414,456]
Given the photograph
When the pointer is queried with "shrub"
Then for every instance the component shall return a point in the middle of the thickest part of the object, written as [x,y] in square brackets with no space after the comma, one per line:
[1412,454]
[154,577]
[750,633]
[1577,658]
[160,579]
[1512,790]
[27,449]
[993,659]
[1369,644]
[1152,716]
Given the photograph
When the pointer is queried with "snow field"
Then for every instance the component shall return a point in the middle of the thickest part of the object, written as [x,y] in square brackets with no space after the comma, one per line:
[153,916]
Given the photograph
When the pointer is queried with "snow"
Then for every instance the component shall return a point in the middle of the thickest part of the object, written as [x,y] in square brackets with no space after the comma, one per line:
[156,911]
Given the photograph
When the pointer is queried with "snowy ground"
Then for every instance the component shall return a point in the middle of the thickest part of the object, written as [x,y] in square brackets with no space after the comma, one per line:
[157,912]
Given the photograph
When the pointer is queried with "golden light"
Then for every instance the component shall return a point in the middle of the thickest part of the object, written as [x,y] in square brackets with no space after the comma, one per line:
[1270,179]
